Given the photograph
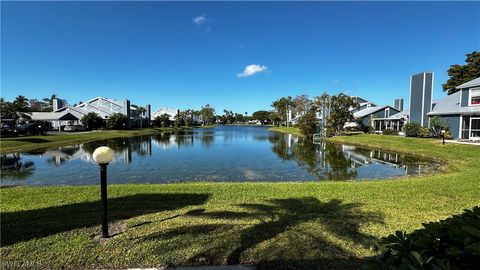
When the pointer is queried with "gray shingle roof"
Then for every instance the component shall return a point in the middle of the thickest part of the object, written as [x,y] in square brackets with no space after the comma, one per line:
[367,111]
[370,110]
[402,114]
[451,105]
[48,116]
[472,83]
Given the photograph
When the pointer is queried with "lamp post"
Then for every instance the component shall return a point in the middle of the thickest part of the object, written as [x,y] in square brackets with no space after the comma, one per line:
[443,136]
[103,155]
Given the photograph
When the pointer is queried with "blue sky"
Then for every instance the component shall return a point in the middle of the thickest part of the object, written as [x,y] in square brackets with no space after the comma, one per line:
[185,55]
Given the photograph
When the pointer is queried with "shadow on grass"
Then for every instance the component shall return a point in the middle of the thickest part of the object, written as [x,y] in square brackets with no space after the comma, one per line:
[290,234]
[25,225]
[29,140]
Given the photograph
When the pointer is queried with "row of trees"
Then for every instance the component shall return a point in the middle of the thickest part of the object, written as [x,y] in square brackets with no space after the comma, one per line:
[18,109]
[21,107]
[190,117]
[323,112]
[93,121]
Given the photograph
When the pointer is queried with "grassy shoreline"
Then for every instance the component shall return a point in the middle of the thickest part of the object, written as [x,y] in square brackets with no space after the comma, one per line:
[290,130]
[330,225]
[29,143]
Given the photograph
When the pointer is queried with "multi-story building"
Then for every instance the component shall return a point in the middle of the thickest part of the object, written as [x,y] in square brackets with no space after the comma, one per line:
[104,107]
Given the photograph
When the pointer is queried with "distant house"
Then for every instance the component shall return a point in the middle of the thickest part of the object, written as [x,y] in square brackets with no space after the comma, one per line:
[171,112]
[461,111]
[421,93]
[394,122]
[363,104]
[104,107]
[374,112]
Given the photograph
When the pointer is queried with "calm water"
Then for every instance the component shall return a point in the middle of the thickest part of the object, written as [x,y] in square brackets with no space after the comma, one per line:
[218,154]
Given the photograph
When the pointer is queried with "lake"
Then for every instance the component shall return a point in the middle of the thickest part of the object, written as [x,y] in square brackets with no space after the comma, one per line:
[223,153]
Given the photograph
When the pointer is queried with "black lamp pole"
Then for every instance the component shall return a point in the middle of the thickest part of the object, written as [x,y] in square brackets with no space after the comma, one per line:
[103,193]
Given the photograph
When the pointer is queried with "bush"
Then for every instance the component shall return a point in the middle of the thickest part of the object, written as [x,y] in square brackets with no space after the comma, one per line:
[92,121]
[453,243]
[448,135]
[117,121]
[330,132]
[389,132]
[308,123]
[162,121]
[436,126]
[412,129]
[424,132]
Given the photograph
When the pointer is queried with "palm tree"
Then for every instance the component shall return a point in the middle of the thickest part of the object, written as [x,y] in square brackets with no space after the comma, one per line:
[21,102]
[16,110]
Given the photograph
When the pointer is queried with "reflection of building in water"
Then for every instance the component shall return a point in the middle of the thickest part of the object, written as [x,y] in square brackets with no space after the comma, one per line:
[339,162]
[291,139]
[13,168]
[361,157]
[122,148]
[62,154]
[169,140]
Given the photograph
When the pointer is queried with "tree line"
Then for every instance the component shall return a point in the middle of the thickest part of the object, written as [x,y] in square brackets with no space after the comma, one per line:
[326,114]
[21,107]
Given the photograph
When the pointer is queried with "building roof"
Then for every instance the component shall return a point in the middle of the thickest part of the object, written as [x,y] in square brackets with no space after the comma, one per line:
[472,83]
[48,116]
[451,105]
[370,110]
[401,115]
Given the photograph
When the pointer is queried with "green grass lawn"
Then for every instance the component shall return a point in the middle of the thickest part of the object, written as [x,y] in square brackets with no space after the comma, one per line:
[28,143]
[329,225]
[207,126]
[291,130]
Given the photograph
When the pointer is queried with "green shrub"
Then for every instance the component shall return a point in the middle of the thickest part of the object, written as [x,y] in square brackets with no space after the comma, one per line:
[330,132]
[117,121]
[308,123]
[448,135]
[389,132]
[91,121]
[453,243]
[424,132]
[162,121]
[412,129]
[436,126]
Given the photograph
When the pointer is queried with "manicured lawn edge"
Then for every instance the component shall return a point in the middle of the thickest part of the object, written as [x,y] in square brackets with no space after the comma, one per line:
[329,225]
[290,130]
[29,143]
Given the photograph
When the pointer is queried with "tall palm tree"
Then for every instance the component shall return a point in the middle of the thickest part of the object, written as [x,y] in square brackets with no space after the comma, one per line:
[22,103]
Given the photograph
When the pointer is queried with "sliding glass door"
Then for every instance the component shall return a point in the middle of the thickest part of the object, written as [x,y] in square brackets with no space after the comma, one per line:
[474,128]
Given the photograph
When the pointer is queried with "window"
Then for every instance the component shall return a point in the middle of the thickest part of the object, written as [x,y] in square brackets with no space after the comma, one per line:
[474,98]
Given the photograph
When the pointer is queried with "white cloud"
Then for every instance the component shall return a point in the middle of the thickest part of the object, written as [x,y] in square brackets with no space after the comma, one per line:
[199,20]
[252,70]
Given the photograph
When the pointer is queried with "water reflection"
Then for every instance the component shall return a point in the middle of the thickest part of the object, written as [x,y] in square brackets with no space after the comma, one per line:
[220,154]
[330,161]
[14,168]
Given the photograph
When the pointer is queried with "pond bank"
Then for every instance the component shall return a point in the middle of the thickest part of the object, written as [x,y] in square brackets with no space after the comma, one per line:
[290,130]
[298,225]
[28,143]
